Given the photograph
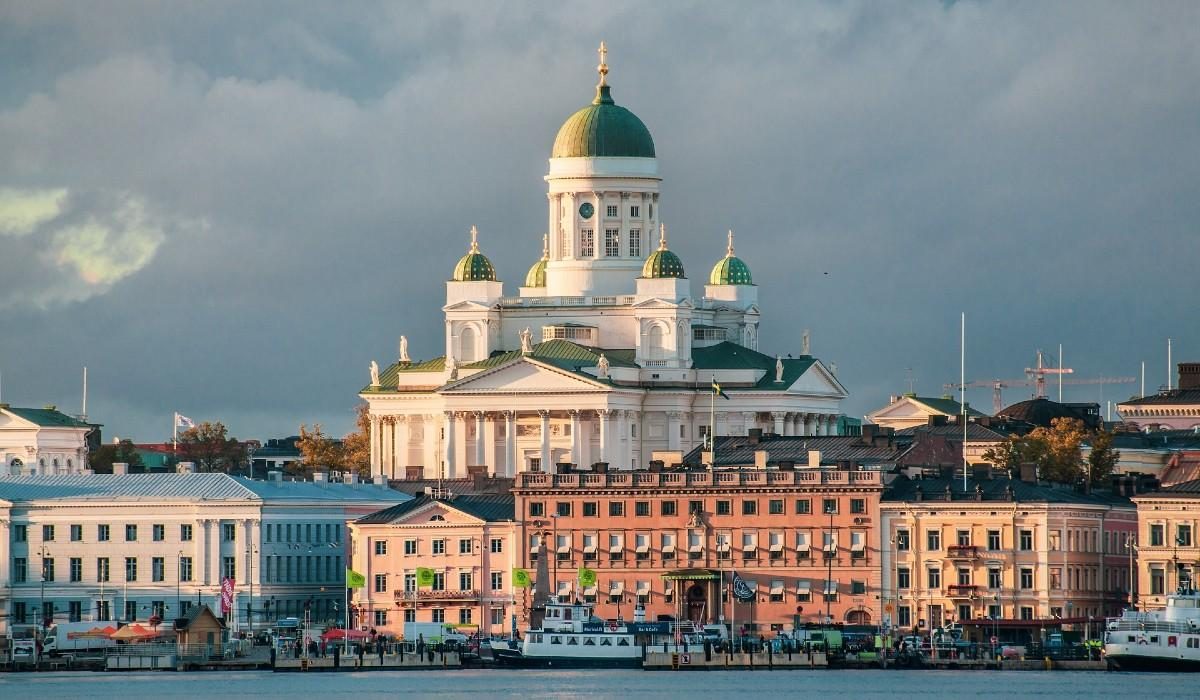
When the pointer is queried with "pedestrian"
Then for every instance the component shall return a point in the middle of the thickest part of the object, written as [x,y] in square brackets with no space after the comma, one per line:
[420,645]
[379,643]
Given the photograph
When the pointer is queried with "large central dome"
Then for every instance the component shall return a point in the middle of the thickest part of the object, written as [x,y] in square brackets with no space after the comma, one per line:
[603,129]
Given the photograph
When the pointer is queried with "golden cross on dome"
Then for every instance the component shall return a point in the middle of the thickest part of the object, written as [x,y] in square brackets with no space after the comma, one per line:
[474,239]
[603,67]
[545,245]
[662,236]
[729,247]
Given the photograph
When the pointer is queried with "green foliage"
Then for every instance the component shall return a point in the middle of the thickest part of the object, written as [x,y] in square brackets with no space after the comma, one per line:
[101,459]
[209,446]
[1055,451]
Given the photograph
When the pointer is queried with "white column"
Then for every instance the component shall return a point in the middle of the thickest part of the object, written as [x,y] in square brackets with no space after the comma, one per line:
[451,457]
[673,430]
[480,439]
[810,424]
[547,467]
[621,443]
[199,561]
[585,438]
[778,418]
[213,563]
[575,437]
[510,443]
[431,429]
[831,424]
[603,416]
[493,456]
[376,464]
[748,421]
[400,430]
[820,425]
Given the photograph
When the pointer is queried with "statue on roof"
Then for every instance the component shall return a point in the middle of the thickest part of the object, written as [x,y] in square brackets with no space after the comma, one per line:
[602,367]
[404,349]
[778,369]
[526,341]
[804,343]
[452,366]
[374,373]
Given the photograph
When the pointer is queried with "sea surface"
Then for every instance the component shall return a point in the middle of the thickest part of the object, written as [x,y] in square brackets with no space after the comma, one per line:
[593,684]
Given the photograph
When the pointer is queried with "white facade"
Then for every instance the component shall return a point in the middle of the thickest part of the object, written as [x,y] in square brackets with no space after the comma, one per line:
[41,441]
[601,364]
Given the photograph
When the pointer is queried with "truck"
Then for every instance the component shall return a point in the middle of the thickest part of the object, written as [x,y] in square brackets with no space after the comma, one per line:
[432,633]
[22,643]
[77,638]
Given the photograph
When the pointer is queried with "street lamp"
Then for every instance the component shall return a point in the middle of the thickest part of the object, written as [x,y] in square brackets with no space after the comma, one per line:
[44,554]
[1131,546]
[829,552]
[251,554]
[178,579]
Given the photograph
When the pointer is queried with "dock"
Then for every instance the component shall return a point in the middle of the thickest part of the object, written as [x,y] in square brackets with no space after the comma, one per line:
[698,660]
[370,662]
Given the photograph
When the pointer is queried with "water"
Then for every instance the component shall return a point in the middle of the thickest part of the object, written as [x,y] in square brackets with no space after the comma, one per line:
[926,685]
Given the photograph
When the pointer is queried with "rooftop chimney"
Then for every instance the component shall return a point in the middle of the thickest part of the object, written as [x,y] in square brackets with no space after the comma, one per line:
[120,468]
[1189,375]
[814,459]
[760,459]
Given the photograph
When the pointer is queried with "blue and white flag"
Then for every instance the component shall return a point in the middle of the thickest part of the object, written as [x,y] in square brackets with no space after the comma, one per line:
[742,590]
[182,421]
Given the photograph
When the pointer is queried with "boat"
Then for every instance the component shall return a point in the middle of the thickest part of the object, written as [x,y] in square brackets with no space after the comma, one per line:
[1158,640]
[571,636]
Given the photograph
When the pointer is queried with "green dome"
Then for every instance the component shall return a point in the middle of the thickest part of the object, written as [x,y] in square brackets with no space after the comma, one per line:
[474,266]
[662,263]
[536,277]
[603,129]
[730,269]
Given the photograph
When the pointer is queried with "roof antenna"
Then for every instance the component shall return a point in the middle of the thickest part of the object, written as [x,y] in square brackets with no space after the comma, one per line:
[912,381]
[83,413]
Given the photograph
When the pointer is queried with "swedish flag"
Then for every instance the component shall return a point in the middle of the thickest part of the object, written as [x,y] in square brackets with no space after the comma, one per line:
[717,390]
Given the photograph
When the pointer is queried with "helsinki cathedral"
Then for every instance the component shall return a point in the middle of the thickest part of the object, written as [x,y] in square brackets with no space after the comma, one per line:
[603,355]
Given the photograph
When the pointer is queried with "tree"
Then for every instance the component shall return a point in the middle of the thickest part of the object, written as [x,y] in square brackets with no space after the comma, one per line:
[1102,460]
[1055,451]
[209,446]
[101,459]
[318,450]
[356,446]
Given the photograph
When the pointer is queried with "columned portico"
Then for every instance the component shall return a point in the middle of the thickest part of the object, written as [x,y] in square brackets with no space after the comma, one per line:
[576,438]
[510,443]
[545,435]
[810,424]
[604,416]
[778,417]
[400,433]
[451,456]
[673,418]
[480,439]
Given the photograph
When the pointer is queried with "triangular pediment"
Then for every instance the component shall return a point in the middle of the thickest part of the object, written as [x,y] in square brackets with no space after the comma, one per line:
[436,513]
[466,306]
[13,421]
[525,375]
[817,379]
[659,303]
[904,408]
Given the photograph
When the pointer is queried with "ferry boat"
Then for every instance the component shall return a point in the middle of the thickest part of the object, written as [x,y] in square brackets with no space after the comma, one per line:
[572,637]
[1159,640]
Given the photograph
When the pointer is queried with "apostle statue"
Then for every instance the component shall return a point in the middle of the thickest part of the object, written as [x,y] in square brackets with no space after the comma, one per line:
[602,367]
[374,373]
[404,349]
[526,341]
[778,369]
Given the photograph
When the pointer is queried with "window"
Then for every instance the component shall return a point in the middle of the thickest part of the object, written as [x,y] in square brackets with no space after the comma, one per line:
[1026,540]
[229,532]
[465,546]
[635,242]
[497,581]
[963,538]
[993,540]
[1055,578]
[47,533]
[131,533]
[935,578]
[610,210]
[612,242]
[749,507]
[635,212]
[590,509]
[464,616]
[75,611]
[229,569]
[904,616]
[464,581]
[775,506]
[695,507]
[76,533]
[410,615]
[102,533]
[993,578]
[102,570]
[933,540]
[185,532]
[380,547]
[439,546]
[964,577]
[829,505]
[1157,581]
[724,507]
[497,545]
[185,568]
[410,547]
[902,540]
[563,508]
[438,615]
[159,532]
[381,583]
[47,569]
[616,509]
[130,568]
[903,578]
[858,587]
[587,243]
[1026,579]
[641,509]
[158,569]
[668,508]
[1183,535]
[537,509]
[130,610]
[803,506]
[380,617]
[20,570]
[858,505]
[20,533]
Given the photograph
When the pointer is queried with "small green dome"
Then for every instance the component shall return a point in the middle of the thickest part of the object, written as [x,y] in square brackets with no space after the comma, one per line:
[536,277]
[662,263]
[730,269]
[602,129]
[474,266]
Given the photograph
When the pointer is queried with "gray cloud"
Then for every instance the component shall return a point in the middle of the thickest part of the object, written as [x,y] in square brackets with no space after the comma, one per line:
[311,174]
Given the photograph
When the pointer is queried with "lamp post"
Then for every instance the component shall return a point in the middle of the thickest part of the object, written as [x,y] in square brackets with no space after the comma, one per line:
[554,561]
[829,553]
[178,580]
[1131,546]
[43,553]
[251,554]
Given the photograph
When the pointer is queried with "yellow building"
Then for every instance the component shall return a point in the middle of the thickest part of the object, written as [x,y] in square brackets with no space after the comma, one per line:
[1002,556]
[1166,541]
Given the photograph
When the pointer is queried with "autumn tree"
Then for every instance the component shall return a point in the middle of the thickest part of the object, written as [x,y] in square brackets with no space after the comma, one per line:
[101,460]
[1102,459]
[210,447]
[318,450]
[1055,451]
[356,446]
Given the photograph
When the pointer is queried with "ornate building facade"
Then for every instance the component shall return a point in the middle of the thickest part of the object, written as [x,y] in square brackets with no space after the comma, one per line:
[604,354]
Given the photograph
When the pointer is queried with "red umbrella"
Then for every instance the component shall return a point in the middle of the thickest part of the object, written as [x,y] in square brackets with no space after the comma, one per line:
[338,634]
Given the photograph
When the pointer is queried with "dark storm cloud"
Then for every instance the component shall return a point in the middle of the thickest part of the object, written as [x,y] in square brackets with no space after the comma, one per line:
[312,173]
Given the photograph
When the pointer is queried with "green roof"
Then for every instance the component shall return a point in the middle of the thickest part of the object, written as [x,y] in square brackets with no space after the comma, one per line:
[603,129]
[536,277]
[943,405]
[48,417]
[474,267]
[663,264]
[730,355]
[730,270]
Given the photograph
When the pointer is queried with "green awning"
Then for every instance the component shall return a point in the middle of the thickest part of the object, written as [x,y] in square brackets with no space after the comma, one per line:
[691,575]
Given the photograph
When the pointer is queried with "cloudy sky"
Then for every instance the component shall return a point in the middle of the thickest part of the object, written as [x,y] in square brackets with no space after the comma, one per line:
[229,209]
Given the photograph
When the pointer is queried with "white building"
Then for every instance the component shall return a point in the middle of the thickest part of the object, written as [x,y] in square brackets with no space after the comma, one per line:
[42,441]
[603,354]
[124,547]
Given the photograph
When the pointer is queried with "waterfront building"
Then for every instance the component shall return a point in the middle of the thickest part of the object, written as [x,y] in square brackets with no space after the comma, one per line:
[604,354]
[910,411]
[1003,554]
[805,540]
[44,441]
[1167,552]
[128,546]
[467,541]
[1174,408]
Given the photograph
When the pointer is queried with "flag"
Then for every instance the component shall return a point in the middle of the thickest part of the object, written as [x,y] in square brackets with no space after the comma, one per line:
[355,579]
[226,595]
[717,389]
[520,579]
[742,590]
[587,577]
[424,577]
[182,421]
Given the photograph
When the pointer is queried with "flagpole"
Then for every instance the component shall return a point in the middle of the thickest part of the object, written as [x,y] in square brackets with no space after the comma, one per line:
[175,437]
[712,427]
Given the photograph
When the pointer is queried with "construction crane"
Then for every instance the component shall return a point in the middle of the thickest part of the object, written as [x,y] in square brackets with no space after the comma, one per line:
[1035,377]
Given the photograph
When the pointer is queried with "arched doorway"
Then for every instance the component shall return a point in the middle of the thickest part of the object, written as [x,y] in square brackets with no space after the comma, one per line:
[697,601]
[656,343]
[858,617]
[467,343]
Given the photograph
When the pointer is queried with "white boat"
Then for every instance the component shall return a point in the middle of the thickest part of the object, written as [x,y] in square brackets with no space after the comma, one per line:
[572,637]
[1158,640]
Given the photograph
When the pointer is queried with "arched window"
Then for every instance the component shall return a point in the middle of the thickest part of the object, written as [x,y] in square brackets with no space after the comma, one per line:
[656,342]
[467,344]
